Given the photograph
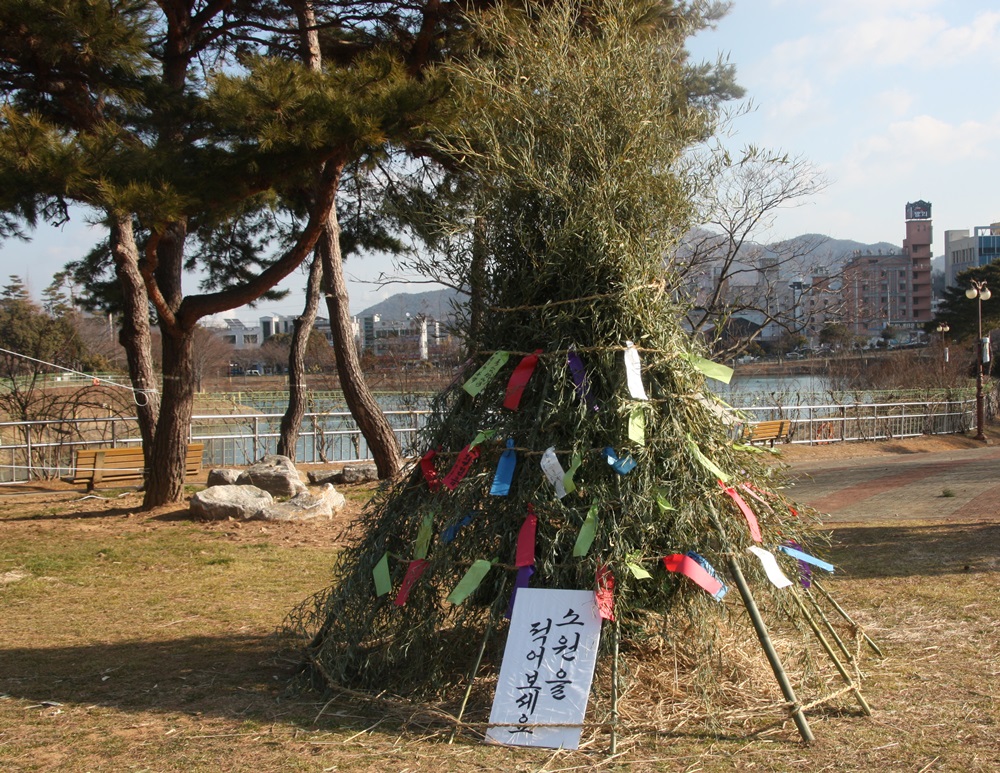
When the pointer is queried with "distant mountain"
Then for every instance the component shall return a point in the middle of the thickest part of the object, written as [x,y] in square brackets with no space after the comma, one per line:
[437,304]
[830,254]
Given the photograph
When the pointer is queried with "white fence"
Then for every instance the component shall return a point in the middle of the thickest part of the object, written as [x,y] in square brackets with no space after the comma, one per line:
[45,449]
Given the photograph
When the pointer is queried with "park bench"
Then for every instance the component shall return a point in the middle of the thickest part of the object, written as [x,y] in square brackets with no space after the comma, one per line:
[768,431]
[115,465]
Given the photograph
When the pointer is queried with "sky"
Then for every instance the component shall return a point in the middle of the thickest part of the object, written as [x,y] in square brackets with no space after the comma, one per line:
[892,101]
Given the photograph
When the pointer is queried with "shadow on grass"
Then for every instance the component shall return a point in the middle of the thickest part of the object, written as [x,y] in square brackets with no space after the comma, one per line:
[903,551]
[232,677]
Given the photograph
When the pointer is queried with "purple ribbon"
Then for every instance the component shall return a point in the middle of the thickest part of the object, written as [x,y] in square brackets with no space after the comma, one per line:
[520,581]
[580,379]
[805,571]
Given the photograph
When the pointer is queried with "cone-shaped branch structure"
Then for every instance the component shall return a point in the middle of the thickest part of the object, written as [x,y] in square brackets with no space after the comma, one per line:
[576,125]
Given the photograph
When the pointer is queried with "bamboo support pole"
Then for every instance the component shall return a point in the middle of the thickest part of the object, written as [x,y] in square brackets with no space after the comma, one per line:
[847,617]
[829,626]
[787,690]
[613,748]
[833,655]
[472,679]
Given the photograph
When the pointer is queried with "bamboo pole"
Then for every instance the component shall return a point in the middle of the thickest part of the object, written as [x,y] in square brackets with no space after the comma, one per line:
[472,679]
[847,617]
[829,626]
[833,656]
[772,656]
[613,749]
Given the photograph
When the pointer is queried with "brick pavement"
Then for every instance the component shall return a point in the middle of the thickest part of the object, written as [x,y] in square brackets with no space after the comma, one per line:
[959,485]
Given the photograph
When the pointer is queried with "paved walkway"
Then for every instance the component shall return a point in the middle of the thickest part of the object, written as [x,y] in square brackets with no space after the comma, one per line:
[961,485]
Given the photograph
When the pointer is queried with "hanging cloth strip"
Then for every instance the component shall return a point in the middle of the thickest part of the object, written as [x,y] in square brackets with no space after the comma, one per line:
[519,380]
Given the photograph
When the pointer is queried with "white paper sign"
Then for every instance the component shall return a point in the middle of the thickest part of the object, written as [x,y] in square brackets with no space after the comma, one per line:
[547,669]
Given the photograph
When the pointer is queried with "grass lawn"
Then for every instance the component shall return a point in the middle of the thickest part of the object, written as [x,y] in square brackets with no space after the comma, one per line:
[134,641]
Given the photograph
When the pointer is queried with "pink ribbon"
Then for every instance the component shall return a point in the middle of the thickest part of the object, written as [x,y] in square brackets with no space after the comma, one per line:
[691,569]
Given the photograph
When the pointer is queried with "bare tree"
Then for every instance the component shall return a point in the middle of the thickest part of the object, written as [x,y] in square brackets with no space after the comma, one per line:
[726,267]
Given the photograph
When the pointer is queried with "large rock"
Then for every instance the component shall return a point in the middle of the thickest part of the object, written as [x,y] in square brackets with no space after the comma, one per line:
[221,502]
[352,473]
[359,473]
[275,474]
[223,477]
[305,506]
[322,477]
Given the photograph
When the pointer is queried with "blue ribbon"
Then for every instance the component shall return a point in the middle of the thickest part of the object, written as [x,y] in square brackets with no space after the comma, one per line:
[806,558]
[449,534]
[720,594]
[505,471]
[621,465]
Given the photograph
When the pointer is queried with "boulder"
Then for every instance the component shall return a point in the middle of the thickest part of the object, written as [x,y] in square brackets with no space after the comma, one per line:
[221,502]
[305,506]
[352,473]
[275,474]
[223,477]
[359,473]
[319,477]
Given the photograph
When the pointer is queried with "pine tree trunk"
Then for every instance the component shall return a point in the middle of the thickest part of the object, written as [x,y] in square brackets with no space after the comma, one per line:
[298,392]
[360,401]
[134,335]
[165,482]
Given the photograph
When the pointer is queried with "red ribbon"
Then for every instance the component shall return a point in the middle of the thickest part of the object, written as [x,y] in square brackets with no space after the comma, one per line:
[519,380]
[430,473]
[691,569]
[413,571]
[605,593]
[461,467]
[745,509]
[526,540]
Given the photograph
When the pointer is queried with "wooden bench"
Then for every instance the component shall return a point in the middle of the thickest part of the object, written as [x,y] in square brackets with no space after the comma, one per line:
[768,431]
[115,465]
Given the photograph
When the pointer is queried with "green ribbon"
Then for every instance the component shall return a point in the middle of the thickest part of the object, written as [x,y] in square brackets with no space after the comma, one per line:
[574,465]
[587,532]
[638,572]
[470,581]
[637,426]
[486,373]
[423,543]
[711,369]
[383,584]
[486,434]
[707,463]
[662,502]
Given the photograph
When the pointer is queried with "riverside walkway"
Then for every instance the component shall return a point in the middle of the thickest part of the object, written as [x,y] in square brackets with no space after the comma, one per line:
[961,484]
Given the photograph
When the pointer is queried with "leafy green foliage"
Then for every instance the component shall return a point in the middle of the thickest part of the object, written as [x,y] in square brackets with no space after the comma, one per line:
[961,313]
[576,122]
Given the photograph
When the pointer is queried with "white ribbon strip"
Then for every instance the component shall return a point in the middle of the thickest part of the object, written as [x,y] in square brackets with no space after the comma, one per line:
[633,372]
[771,568]
[554,471]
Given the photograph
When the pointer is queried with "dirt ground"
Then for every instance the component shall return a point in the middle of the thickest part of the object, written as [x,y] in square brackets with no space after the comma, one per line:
[145,641]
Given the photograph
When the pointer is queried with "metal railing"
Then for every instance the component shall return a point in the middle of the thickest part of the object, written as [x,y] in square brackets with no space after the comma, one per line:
[816,424]
[45,449]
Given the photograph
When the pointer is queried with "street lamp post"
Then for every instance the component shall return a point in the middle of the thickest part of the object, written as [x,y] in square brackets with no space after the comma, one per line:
[943,328]
[979,292]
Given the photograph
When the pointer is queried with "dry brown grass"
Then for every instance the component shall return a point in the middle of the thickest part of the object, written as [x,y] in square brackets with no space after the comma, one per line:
[145,642]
